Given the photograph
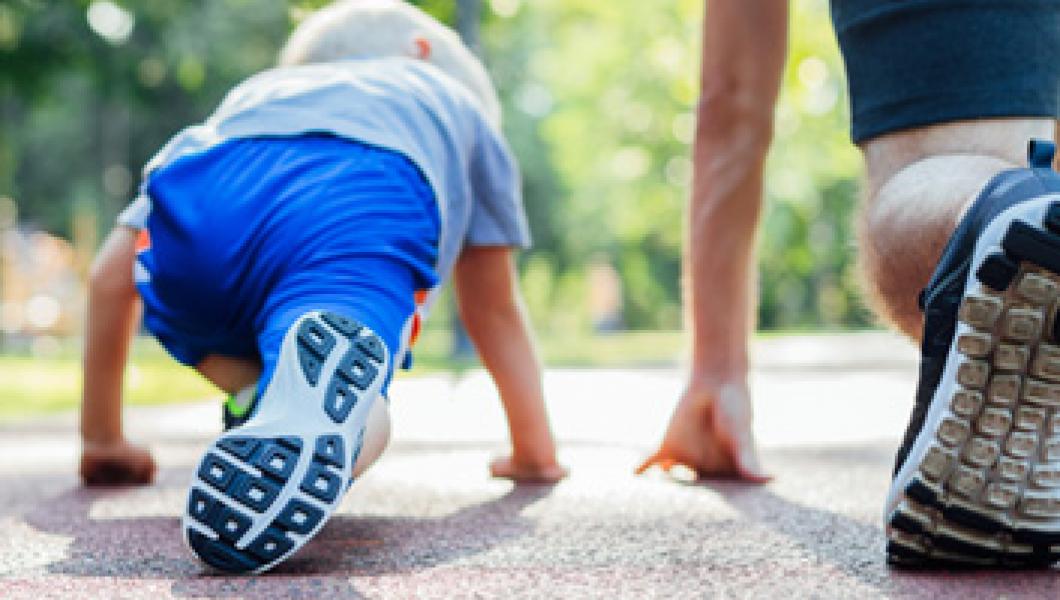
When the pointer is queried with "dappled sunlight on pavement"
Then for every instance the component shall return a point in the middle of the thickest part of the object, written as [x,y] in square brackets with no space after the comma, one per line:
[427,521]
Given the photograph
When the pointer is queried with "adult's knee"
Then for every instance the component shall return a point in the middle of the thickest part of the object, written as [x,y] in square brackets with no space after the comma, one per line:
[906,222]
[892,263]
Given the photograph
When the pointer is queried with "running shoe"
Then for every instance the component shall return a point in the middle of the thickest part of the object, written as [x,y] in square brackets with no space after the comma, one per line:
[977,478]
[266,487]
[239,407]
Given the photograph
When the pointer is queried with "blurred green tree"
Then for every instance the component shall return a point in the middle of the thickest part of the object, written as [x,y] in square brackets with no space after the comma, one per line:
[614,86]
[598,99]
[89,90]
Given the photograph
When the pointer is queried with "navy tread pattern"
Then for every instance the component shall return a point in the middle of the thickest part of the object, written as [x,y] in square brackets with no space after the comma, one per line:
[237,493]
[330,450]
[277,462]
[321,483]
[371,346]
[344,325]
[227,515]
[315,343]
[299,516]
[240,447]
[358,369]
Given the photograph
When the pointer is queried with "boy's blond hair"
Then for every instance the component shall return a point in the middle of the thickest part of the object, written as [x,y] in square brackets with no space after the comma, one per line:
[374,28]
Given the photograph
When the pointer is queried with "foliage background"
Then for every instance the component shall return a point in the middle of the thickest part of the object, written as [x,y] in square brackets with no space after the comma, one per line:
[598,97]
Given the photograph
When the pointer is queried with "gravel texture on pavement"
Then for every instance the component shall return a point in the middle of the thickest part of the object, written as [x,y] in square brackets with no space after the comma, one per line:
[428,522]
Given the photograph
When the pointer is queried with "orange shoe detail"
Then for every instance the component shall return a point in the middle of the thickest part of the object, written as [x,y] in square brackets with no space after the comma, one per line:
[415,334]
[143,241]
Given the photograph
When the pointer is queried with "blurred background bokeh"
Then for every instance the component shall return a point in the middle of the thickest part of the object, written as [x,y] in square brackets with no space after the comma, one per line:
[599,100]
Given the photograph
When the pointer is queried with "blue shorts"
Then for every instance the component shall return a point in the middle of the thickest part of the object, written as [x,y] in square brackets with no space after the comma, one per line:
[245,237]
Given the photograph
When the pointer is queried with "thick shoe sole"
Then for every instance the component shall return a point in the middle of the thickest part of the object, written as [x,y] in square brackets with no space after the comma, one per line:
[981,485]
[262,490]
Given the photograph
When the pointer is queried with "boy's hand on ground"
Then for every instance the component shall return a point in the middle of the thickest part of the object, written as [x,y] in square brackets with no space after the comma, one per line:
[117,463]
[508,467]
[710,433]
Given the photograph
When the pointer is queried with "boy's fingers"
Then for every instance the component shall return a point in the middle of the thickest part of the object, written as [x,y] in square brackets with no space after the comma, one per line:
[506,468]
[500,467]
[106,473]
[118,470]
[142,469]
[146,473]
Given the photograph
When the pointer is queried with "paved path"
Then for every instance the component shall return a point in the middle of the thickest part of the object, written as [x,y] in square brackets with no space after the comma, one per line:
[427,521]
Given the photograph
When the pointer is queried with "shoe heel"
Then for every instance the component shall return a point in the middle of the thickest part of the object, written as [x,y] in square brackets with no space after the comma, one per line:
[262,490]
[988,487]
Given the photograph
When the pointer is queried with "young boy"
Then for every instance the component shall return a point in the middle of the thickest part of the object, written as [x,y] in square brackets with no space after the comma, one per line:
[290,243]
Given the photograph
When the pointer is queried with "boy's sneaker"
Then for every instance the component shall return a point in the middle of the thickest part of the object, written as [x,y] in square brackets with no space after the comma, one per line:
[239,407]
[977,479]
[264,488]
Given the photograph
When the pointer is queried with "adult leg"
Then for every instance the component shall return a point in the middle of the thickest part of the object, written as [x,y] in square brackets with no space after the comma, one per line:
[918,184]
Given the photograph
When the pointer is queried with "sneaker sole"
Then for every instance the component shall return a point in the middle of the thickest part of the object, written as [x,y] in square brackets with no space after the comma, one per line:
[981,485]
[262,490]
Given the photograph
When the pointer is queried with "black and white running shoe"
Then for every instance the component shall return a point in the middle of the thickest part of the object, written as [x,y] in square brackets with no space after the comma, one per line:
[977,479]
[265,487]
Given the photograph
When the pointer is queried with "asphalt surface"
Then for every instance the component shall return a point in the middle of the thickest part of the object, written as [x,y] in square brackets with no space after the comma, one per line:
[428,522]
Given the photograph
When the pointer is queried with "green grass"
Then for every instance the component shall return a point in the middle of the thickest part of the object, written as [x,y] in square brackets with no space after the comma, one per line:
[30,385]
[33,385]
[618,349]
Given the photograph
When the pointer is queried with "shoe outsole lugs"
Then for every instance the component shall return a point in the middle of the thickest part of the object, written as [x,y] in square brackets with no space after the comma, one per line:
[982,485]
[262,490]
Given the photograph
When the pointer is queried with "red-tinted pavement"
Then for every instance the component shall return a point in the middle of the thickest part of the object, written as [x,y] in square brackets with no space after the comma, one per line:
[427,521]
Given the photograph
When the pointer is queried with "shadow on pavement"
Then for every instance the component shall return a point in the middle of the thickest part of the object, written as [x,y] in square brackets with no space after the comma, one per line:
[856,549]
[152,547]
[852,547]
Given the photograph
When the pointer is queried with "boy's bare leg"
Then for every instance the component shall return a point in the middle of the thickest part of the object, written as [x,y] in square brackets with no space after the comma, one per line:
[918,184]
[376,436]
[229,373]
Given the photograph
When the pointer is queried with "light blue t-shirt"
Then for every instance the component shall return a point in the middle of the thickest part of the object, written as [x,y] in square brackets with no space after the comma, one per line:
[401,104]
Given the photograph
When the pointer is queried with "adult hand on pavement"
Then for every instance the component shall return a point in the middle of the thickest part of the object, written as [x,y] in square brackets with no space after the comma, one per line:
[710,433]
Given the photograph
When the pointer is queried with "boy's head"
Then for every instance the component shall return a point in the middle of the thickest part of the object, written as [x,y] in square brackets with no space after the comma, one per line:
[375,28]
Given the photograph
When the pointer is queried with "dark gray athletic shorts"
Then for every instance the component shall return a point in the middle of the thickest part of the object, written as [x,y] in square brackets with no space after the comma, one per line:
[917,62]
